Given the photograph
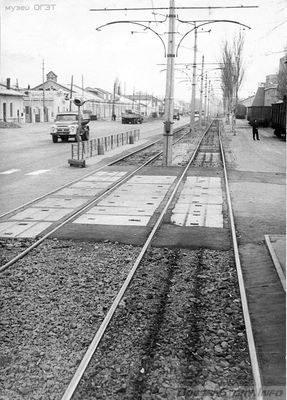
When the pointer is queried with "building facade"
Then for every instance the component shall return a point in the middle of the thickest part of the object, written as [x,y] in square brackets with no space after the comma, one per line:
[11,104]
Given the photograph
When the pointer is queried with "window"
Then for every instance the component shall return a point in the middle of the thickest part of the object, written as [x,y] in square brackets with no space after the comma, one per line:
[11,109]
[66,117]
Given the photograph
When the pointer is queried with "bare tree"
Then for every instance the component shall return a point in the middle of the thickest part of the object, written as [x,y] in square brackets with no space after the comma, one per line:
[232,73]
[282,78]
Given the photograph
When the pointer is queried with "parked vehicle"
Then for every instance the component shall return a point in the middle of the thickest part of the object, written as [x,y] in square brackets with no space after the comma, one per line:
[132,117]
[279,118]
[261,113]
[66,125]
[176,114]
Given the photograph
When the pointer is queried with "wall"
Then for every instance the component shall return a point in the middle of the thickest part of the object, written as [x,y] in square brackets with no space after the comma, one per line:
[271,96]
[17,108]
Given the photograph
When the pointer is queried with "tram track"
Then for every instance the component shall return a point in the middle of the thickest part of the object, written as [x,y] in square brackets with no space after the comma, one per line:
[169,295]
[143,161]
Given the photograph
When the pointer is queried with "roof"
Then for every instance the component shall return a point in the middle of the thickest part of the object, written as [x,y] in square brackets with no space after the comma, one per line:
[259,97]
[9,92]
[54,83]
[142,96]
[86,94]
[271,87]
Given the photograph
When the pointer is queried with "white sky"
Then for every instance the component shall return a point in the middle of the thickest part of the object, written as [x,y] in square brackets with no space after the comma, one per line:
[66,38]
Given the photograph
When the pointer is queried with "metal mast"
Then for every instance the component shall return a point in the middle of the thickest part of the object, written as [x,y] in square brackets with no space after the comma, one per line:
[192,120]
[169,90]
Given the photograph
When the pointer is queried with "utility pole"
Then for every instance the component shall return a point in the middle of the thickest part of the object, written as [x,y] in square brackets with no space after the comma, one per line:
[201,92]
[192,111]
[205,99]
[43,79]
[169,90]
[114,98]
[208,102]
[71,93]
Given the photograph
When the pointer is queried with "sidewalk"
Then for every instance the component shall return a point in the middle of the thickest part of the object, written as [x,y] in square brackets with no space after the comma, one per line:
[257,179]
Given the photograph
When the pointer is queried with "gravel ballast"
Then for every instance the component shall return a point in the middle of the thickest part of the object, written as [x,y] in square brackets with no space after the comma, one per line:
[52,302]
[179,330]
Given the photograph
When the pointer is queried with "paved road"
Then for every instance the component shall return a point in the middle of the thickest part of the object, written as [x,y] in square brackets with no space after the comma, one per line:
[32,165]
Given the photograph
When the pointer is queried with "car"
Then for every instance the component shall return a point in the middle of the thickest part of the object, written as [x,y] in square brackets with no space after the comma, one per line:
[66,126]
[132,117]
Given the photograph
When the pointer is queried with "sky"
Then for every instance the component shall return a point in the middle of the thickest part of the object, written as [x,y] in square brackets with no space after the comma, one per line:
[63,34]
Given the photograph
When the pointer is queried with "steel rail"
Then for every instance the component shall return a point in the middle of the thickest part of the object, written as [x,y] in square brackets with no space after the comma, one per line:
[76,180]
[99,334]
[86,206]
[245,308]
[88,174]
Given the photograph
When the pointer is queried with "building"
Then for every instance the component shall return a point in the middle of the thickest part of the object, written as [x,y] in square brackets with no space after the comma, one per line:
[11,104]
[110,104]
[50,96]
[147,104]
[248,101]
[92,103]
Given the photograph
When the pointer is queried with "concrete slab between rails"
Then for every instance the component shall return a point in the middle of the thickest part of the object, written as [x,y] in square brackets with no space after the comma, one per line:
[168,236]
[173,236]
[134,235]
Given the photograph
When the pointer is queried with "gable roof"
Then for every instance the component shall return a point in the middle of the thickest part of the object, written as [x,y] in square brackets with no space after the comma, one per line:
[52,83]
[259,97]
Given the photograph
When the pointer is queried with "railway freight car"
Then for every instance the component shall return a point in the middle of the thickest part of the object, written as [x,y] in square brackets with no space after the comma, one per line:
[279,118]
[261,113]
[240,111]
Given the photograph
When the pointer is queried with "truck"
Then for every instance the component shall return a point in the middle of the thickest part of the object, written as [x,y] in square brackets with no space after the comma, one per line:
[132,117]
[66,126]
[279,118]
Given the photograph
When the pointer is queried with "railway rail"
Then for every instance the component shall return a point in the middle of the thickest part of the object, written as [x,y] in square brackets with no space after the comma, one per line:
[167,308]
[144,160]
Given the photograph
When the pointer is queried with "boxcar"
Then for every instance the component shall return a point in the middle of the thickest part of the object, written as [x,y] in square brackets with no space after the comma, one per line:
[261,113]
[278,118]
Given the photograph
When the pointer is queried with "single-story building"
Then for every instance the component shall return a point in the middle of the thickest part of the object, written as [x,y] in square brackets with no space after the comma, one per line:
[11,104]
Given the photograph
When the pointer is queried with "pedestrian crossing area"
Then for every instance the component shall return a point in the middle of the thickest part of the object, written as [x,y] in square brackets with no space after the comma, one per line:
[31,173]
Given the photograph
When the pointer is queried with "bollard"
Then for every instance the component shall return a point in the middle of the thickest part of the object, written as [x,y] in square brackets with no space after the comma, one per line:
[101,150]
[131,138]
[91,148]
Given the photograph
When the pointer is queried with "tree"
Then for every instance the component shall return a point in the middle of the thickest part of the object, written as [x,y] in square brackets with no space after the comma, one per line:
[282,77]
[232,73]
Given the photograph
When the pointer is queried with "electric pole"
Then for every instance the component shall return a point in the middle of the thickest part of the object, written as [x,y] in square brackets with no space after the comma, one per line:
[43,79]
[192,111]
[208,102]
[201,92]
[205,99]
[169,90]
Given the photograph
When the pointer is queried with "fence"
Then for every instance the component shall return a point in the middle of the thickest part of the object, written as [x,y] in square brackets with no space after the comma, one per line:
[80,151]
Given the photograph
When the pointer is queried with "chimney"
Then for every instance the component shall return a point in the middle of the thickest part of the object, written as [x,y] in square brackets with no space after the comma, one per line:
[8,81]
